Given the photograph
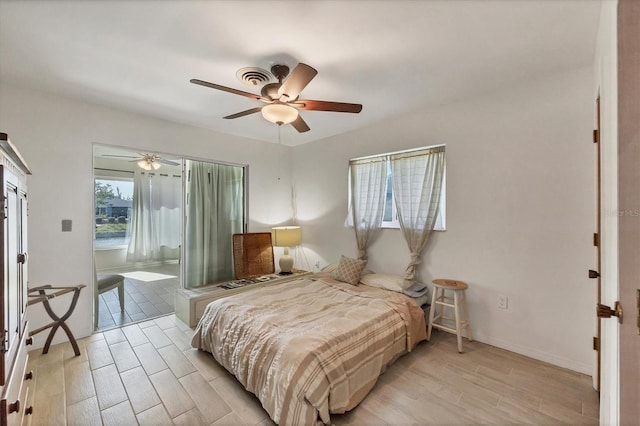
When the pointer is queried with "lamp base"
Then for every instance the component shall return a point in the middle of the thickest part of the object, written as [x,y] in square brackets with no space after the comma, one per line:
[286,263]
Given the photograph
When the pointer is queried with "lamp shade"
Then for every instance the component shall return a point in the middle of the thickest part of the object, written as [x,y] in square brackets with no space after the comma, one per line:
[279,113]
[286,236]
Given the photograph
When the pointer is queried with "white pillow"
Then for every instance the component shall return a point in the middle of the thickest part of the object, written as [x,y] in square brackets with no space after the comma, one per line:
[330,267]
[388,282]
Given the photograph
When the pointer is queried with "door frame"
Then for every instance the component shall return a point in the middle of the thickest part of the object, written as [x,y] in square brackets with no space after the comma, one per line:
[598,243]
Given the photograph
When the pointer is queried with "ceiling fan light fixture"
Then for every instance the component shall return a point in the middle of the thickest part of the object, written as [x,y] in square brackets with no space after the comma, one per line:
[279,113]
[143,164]
[148,164]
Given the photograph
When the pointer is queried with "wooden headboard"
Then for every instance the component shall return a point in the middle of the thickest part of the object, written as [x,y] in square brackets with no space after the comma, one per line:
[252,254]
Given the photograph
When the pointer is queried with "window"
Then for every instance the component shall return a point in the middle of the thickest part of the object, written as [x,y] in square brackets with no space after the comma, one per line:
[390,216]
[113,207]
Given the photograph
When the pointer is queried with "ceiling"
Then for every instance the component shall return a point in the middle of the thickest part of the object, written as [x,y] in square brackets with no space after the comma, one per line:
[390,56]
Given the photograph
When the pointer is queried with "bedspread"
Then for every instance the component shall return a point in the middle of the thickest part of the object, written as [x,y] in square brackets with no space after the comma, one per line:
[310,347]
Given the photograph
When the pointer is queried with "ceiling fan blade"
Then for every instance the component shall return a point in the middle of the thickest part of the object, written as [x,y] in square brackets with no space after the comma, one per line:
[229,90]
[170,163]
[301,75]
[243,113]
[312,105]
[300,125]
[119,156]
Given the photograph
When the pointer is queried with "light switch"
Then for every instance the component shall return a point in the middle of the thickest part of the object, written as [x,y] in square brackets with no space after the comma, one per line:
[66,225]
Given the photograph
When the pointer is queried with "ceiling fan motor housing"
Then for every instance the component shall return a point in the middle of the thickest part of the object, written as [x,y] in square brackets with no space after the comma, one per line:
[271,90]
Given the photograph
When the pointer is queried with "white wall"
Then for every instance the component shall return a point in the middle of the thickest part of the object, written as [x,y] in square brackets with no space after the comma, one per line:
[520,199]
[606,84]
[56,135]
[520,210]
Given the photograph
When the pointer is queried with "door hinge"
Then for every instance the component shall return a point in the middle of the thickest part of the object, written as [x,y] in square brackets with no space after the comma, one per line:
[596,343]
[638,308]
[596,136]
[604,311]
[596,239]
[4,345]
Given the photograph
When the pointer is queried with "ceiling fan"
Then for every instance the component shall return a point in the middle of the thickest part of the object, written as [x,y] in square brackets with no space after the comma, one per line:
[146,161]
[282,103]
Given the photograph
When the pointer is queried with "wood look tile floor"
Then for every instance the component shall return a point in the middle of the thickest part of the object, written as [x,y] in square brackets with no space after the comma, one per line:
[146,298]
[148,374]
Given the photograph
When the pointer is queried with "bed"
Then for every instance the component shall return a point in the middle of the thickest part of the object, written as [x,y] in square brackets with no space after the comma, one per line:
[311,347]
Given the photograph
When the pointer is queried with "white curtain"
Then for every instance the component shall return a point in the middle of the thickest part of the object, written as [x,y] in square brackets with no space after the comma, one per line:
[417,183]
[215,211]
[368,185]
[155,226]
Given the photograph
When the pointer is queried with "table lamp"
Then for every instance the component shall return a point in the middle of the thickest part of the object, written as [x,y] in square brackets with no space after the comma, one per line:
[286,236]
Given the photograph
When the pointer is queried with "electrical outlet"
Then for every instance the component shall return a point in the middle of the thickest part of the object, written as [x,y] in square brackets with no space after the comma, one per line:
[503,301]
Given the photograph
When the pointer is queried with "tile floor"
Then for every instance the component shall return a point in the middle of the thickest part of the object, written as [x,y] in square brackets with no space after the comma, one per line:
[148,374]
[148,293]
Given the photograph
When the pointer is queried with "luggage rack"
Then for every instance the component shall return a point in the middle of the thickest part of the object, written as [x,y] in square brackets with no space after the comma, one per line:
[40,295]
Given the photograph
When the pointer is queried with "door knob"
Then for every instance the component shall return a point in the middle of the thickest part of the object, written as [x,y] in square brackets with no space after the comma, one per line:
[14,407]
[605,311]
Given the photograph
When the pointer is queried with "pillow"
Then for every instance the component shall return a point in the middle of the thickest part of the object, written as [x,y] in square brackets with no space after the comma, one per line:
[332,267]
[349,270]
[388,282]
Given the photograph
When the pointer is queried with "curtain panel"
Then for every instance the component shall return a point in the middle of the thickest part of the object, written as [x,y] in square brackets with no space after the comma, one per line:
[417,184]
[368,185]
[215,211]
[155,226]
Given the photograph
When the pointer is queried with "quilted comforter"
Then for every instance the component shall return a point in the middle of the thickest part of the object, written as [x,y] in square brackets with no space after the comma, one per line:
[310,347]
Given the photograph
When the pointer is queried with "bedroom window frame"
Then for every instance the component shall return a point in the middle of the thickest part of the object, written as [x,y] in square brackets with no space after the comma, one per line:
[393,223]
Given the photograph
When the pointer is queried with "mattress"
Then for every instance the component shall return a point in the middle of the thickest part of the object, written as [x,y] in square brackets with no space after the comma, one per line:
[310,347]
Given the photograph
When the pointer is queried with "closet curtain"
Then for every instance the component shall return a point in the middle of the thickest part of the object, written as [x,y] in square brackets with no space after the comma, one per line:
[155,226]
[417,183]
[368,185]
[215,211]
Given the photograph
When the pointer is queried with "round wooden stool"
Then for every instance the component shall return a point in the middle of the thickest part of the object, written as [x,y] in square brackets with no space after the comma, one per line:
[459,302]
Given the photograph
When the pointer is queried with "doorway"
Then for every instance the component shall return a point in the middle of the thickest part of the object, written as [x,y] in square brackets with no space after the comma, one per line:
[162,222]
[137,235]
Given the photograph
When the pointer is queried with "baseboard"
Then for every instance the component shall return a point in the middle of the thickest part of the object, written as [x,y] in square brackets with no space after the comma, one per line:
[556,360]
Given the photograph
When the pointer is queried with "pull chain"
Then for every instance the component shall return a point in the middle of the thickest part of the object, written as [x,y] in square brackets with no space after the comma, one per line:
[280,149]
